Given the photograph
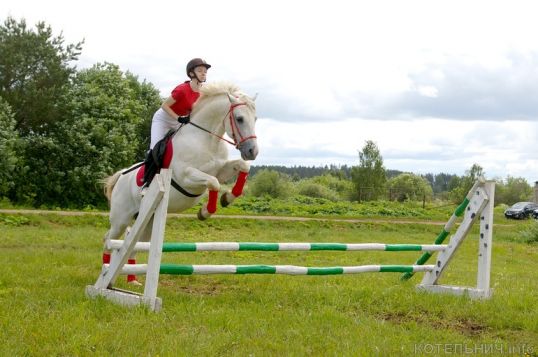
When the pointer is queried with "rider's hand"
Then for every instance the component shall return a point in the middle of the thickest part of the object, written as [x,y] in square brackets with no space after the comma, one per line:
[183,120]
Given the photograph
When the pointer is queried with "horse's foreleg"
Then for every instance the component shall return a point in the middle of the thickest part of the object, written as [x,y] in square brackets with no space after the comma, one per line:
[232,168]
[195,177]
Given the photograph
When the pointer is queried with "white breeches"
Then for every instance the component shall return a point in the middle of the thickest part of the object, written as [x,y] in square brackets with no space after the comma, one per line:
[161,123]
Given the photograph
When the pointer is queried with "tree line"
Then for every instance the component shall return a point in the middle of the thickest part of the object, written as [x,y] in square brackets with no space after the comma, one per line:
[370,180]
[62,129]
[439,182]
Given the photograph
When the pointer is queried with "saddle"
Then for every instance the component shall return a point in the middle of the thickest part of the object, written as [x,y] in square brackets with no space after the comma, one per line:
[156,158]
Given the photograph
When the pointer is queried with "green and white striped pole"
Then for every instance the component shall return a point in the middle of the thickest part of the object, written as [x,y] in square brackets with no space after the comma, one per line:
[175,269]
[183,269]
[280,247]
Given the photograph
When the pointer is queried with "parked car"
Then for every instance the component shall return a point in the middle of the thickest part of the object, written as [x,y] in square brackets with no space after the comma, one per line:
[535,214]
[520,210]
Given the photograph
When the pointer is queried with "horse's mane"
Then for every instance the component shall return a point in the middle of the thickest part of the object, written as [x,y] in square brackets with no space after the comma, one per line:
[214,89]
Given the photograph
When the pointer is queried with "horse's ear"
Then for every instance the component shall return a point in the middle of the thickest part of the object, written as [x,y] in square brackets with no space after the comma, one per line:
[232,99]
[255,96]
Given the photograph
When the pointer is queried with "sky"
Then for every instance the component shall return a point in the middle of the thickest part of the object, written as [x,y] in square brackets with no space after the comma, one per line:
[437,85]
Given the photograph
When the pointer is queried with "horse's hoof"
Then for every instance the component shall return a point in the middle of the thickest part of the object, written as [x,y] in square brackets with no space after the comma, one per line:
[134,283]
[201,216]
[223,200]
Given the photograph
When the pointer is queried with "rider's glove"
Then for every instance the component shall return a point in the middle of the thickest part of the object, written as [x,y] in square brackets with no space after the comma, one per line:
[183,120]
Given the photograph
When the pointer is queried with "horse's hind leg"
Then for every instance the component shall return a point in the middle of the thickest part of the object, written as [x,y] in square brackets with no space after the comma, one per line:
[145,237]
[119,223]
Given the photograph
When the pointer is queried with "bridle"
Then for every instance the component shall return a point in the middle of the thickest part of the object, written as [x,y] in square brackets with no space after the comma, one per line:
[233,124]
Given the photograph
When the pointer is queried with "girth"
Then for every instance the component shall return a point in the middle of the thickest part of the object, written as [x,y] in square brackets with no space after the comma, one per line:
[182,190]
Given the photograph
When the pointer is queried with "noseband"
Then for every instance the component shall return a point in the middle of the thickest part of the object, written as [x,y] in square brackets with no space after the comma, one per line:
[235,127]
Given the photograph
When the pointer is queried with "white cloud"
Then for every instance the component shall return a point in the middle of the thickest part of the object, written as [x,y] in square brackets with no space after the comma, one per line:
[428,91]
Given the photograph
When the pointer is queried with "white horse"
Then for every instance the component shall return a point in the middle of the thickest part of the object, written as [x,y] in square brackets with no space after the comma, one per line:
[199,161]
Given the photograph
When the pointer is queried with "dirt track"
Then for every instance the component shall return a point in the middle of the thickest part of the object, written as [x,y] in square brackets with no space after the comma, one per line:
[268,218]
[271,218]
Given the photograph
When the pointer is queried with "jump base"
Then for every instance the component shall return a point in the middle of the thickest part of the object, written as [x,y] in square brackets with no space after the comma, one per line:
[125,297]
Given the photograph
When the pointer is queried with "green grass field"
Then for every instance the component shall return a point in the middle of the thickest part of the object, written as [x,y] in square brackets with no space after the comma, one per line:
[48,260]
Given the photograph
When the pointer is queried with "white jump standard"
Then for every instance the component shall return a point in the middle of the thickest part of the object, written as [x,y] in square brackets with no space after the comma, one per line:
[477,205]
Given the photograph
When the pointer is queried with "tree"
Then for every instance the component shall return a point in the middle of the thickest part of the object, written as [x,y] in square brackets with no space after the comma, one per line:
[100,136]
[75,126]
[35,74]
[441,182]
[369,177]
[103,134]
[460,186]
[512,190]
[9,140]
[409,186]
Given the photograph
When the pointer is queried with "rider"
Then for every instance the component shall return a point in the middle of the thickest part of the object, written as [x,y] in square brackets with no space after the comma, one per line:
[176,109]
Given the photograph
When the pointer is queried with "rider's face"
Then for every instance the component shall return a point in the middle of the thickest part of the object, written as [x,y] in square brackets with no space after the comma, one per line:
[201,73]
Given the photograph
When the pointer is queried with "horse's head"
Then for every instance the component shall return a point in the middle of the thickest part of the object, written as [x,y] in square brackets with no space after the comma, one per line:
[222,107]
[240,125]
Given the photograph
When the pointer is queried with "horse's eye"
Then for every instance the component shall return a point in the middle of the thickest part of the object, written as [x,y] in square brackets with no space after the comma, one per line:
[240,120]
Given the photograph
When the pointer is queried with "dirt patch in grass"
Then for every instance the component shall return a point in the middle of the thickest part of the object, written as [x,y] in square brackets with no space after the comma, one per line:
[464,326]
[205,290]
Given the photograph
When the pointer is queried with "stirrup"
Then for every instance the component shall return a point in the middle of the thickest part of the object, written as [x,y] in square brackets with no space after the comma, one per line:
[144,190]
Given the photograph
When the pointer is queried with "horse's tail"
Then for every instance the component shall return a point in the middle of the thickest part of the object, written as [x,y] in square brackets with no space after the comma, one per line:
[109,183]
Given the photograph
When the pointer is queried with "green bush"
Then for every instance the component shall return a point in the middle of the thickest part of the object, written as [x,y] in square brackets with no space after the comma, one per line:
[325,186]
[14,221]
[409,187]
[271,183]
[312,189]
[342,186]
[530,235]
[299,205]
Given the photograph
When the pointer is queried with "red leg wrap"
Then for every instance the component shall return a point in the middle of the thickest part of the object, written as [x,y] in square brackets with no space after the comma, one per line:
[131,277]
[212,203]
[239,184]
[106,258]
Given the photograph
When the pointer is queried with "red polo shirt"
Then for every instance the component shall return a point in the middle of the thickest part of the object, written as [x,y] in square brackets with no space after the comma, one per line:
[185,98]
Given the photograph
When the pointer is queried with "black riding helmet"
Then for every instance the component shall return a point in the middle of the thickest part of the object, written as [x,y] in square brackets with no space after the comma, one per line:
[195,62]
